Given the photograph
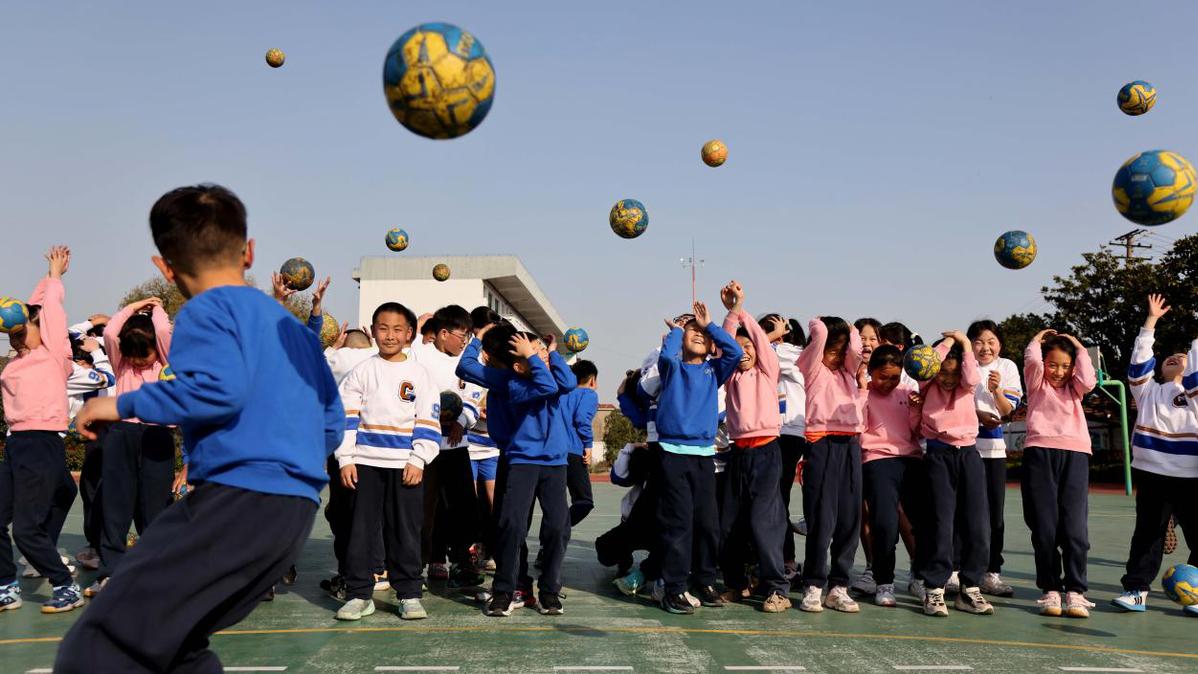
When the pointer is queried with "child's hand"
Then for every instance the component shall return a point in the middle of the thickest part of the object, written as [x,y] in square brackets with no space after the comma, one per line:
[318,295]
[1156,309]
[98,319]
[478,334]
[340,341]
[779,328]
[59,258]
[522,346]
[732,295]
[1074,340]
[863,375]
[412,475]
[1043,335]
[180,480]
[915,399]
[586,456]
[988,420]
[702,317]
[993,381]
[349,476]
[550,342]
[956,336]
[281,291]
[96,411]
[89,345]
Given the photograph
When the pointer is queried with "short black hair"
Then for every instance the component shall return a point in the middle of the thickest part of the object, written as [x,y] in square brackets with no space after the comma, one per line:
[896,333]
[495,345]
[742,331]
[976,329]
[955,350]
[871,322]
[452,317]
[138,337]
[838,330]
[584,370]
[1059,343]
[77,352]
[199,226]
[885,354]
[795,336]
[483,316]
[394,308]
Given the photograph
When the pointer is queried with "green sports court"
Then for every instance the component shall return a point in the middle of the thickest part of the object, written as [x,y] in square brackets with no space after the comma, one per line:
[605,632]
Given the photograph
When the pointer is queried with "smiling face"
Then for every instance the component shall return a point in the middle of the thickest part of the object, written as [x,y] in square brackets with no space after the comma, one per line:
[1174,366]
[749,359]
[950,374]
[986,347]
[695,342]
[1058,368]
[886,378]
[834,353]
[392,333]
[869,340]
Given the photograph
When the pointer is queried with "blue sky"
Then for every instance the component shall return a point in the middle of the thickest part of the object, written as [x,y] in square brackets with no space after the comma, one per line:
[876,149]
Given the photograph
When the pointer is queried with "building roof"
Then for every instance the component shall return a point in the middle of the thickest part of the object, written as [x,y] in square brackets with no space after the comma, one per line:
[505,273]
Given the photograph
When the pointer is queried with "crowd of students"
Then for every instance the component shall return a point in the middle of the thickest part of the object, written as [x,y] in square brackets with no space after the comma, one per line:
[438,436]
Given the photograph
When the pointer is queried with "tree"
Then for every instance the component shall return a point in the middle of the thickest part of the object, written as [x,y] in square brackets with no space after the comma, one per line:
[173,300]
[617,432]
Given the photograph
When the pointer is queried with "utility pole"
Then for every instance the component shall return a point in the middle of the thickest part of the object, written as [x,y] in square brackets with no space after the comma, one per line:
[692,262]
[1128,242]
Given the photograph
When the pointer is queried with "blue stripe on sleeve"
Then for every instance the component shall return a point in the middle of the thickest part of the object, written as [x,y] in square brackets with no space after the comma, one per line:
[1137,370]
[425,433]
[351,423]
[1180,447]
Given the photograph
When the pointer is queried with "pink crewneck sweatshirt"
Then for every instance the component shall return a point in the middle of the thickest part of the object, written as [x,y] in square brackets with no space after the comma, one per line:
[1055,418]
[752,395]
[951,416]
[890,425]
[833,403]
[35,384]
[129,379]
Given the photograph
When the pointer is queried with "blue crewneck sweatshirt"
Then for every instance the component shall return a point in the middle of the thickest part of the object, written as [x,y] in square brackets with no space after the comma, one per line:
[580,407]
[687,409]
[252,392]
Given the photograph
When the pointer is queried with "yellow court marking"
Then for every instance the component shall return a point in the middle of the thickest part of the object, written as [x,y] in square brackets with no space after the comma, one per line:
[681,631]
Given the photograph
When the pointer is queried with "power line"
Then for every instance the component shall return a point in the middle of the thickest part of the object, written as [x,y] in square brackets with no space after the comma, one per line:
[1128,242]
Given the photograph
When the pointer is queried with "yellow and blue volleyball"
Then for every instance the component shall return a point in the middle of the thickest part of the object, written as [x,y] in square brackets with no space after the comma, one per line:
[275,58]
[166,374]
[1015,249]
[441,272]
[330,329]
[297,273]
[921,362]
[1180,584]
[576,340]
[397,239]
[1154,187]
[628,218]
[13,314]
[1136,98]
[714,153]
[439,81]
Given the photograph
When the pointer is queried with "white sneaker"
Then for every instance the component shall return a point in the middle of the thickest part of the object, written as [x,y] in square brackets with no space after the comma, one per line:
[865,583]
[692,600]
[993,584]
[1132,600]
[915,587]
[1077,606]
[970,600]
[838,599]
[1050,604]
[412,609]
[953,585]
[812,600]
[933,603]
[356,609]
[885,596]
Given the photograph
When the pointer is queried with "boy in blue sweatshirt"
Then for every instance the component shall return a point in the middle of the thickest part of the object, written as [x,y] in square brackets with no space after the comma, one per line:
[259,411]
[534,439]
[581,406]
[687,418]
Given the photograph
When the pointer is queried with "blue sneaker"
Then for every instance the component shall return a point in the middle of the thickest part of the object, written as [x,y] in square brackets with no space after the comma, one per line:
[1132,601]
[65,598]
[628,585]
[1191,610]
[10,596]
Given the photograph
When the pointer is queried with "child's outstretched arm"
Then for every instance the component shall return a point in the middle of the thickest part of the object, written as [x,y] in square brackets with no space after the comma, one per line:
[50,294]
[852,356]
[730,351]
[1033,360]
[970,375]
[812,356]
[734,300]
[1143,361]
[1084,376]
[471,369]
[562,374]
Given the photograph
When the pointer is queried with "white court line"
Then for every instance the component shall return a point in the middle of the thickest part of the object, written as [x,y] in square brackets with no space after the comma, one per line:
[932,668]
[416,668]
[39,671]
[592,668]
[1100,669]
[764,668]
[268,668]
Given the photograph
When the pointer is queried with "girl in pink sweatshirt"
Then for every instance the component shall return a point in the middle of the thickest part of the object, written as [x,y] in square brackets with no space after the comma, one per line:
[34,470]
[752,507]
[138,460]
[893,470]
[832,477]
[1058,373]
[956,480]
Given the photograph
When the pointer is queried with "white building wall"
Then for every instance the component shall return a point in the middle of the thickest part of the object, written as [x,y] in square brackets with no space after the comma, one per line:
[423,297]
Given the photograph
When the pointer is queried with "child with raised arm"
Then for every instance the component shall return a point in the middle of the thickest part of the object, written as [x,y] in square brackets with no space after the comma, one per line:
[687,417]
[1163,458]
[752,505]
[1056,468]
[259,412]
[956,481]
[34,386]
[832,479]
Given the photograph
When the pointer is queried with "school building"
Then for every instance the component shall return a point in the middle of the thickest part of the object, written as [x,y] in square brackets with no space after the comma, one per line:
[497,281]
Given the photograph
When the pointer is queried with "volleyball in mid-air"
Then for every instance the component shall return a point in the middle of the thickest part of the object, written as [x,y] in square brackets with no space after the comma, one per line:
[714,153]
[438,81]
[628,218]
[1015,249]
[1136,98]
[576,340]
[297,273]
[441,272]
[397,239]
[1154,187]
[275,58]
